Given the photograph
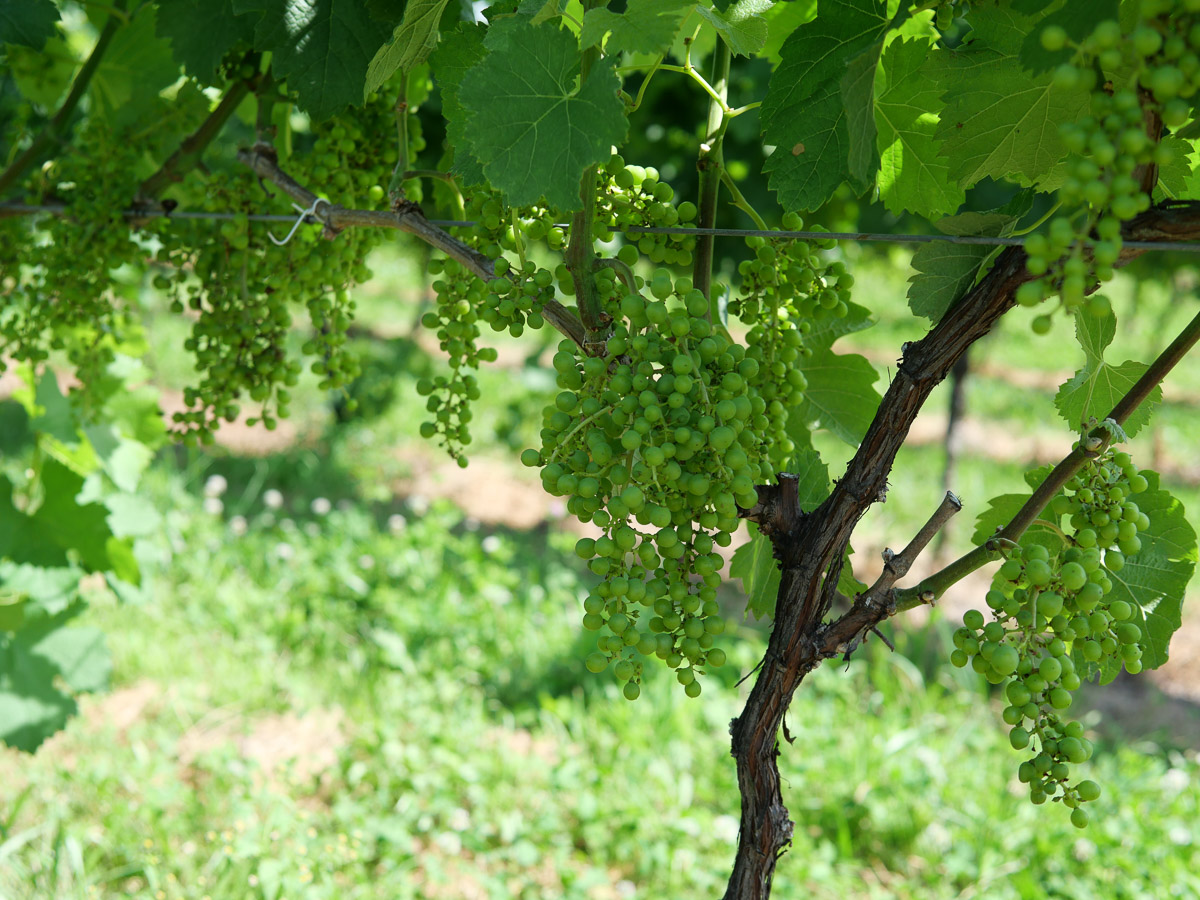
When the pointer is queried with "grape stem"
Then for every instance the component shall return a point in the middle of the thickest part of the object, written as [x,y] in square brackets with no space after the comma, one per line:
[58,124]
[408,218]
[711,164]
[741,202]
[395,186]
[580,249]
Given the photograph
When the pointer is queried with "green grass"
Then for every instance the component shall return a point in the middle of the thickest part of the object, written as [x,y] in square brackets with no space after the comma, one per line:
[472,755]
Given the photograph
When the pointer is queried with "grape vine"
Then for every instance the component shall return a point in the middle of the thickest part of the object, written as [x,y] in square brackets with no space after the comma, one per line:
[692,371]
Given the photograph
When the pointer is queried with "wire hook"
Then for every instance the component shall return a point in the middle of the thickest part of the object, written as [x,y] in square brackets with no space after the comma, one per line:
[304,214]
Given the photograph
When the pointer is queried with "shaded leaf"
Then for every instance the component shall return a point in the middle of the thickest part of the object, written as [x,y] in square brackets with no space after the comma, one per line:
[646,26]
[458,51]
[180,21]
[321,47]
[27,22]
[410,44]
[534,129]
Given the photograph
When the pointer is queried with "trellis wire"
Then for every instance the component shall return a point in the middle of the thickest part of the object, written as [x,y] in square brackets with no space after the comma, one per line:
[856,236]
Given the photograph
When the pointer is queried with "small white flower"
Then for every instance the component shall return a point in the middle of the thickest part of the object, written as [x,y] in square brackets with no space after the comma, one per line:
[272,499]
[460,819]
[419,504]
[321,506]
[470,523]
[396,523]
[312,529]
[238,525]
[213,506]
[490,544]
[366,561]
[215,486]
[284,550]
[625,888]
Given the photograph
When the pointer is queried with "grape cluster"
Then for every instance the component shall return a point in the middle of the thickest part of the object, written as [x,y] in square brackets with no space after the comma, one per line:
[657,443]
[59,294]
[239,285]
[511,300]
[633,196]
[1054,624]
[1155,64]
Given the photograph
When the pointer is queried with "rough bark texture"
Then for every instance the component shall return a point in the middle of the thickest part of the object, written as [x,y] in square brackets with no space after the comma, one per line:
[809,546]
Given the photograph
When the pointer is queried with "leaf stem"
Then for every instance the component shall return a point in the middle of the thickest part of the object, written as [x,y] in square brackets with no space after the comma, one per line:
[711,164]
[395,192]
[57,124]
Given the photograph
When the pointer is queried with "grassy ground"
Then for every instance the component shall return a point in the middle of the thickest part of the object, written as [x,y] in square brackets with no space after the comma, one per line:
[333,686]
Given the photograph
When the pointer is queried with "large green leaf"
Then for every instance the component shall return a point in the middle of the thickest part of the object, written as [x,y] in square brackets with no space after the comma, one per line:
[646,26]
[27,22]
[742,25]
[840,395]
[756,567]
[944,272]
[533,127]
[457,52]
[1095,389]
[912,176]
[1155,578]
[1000,120]
[804,113]
[410,44]
[136,67]
[32,663]
[321,47]
[183,21]
[858,88]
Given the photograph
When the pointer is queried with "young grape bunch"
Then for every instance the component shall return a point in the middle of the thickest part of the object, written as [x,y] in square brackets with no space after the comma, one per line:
[1055,623]
[1138,70]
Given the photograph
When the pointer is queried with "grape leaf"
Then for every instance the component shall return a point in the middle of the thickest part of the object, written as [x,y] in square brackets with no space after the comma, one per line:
[912,176]
[646,26]
[755,566]
[534,129]
[999,119]
[742,25]
[27,22]
[942,274]
[1175,176]
[1155,578]
[410,44]
[321,47]
[840,396]
[826,330]
[32,661]
[858,97]
[1077,18]
[136,67]
[47,590]
[782,20]
[1095,389]
[457,52]
[180,21]
[804,114]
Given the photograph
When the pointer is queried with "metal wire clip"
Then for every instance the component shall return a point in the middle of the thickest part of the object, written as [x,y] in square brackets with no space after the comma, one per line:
[304,214]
